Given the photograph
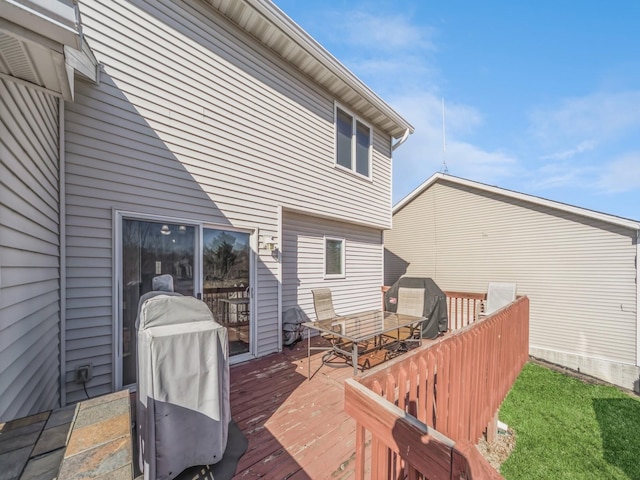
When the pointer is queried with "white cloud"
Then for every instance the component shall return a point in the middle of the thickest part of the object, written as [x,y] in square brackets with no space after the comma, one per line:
[584,134]
[621,174]
[405,70]
[384,32]
[582,147]
[562,174]
[387,50]
[422,154]
[607,176]
[598,117]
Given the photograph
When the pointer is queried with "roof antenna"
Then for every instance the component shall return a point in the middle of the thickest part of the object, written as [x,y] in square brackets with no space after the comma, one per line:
[444,168]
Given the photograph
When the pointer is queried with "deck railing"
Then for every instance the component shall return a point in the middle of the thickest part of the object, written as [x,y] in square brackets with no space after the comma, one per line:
[464,308]
[223,311]
[427,409]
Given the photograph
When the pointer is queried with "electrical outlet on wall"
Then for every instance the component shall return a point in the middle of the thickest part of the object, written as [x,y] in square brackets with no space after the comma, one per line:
[84,373]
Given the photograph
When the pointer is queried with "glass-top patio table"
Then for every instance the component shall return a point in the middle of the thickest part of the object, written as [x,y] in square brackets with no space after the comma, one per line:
[352,331]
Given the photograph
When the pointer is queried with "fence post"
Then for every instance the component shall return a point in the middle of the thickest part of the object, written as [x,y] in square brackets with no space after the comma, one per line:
[360,451]
[492,428]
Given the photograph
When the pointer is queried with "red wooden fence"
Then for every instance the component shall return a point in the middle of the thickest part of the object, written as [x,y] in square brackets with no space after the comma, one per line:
[426,407]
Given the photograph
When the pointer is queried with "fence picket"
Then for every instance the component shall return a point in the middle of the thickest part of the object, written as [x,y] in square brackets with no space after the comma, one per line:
[414,377]
[430,391]
[454,385]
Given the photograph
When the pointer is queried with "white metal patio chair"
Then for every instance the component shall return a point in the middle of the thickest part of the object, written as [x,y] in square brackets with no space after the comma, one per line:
[323,306]
[410,302]
[499,294]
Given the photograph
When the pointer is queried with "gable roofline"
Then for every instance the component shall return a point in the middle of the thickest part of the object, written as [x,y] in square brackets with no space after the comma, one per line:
[263,20]
[564,207]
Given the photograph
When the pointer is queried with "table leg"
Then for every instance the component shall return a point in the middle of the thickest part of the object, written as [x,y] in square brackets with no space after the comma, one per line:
[309,353]
[354,358]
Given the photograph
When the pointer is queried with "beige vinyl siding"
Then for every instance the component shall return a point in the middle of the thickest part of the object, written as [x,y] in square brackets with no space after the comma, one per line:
[29,252]
[202,86]
[192,119]
[579,273]
[303,264]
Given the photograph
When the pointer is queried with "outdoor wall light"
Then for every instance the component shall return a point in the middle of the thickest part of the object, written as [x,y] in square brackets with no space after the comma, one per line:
[269,243]
[165,230]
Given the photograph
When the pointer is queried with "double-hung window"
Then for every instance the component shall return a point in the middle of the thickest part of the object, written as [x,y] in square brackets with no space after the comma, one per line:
[334,257]
[353,142]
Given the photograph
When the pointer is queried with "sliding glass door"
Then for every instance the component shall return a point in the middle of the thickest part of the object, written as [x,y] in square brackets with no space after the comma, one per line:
[150,249]
[212,264]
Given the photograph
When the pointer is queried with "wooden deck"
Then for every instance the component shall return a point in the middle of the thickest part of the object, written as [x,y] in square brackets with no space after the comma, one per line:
[297,428]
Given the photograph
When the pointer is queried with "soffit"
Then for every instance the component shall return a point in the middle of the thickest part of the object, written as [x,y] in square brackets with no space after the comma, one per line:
[264,21]
[34,64]
[33,37]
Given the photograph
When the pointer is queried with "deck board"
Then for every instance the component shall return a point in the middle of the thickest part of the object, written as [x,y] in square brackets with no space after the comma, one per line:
[297,428]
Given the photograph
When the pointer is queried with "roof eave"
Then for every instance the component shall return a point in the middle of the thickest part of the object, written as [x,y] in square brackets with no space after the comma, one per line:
[393,123]
[604,217]
[56,20]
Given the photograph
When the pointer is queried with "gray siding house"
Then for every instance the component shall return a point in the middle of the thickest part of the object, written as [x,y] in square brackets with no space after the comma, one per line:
[578,267]
[180,126]
[41,52]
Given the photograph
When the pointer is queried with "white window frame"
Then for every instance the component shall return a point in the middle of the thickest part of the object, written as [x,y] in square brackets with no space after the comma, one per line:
[343,262]
[117,218]
[354,122]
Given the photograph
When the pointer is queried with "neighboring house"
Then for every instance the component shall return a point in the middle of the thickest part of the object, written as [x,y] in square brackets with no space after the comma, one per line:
[206,121]
[578,267]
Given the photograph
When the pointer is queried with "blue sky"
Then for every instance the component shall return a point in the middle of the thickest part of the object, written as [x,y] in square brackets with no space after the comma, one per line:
[540,97]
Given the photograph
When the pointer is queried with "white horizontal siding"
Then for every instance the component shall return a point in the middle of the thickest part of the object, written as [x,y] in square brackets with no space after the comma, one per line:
[303,264]
[192,119]
[202,88]
[29,252]
[578,273]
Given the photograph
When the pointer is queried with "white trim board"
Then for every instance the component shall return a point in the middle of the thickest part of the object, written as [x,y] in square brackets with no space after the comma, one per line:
[604,217]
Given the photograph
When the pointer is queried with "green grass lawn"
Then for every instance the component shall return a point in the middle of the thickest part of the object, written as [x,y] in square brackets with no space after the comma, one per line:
[568,429]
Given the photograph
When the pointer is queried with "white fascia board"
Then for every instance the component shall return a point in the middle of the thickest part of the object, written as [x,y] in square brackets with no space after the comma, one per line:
[83,62]
[65,77]
[415,192]
[57,20]
[604,217]
[285,24]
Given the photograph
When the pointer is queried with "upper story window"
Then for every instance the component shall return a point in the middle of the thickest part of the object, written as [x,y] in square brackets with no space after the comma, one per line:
[353,143]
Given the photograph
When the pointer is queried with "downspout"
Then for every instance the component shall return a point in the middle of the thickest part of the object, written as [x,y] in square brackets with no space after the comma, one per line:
[406,134]
[402,140]
[62,252]
[279,260]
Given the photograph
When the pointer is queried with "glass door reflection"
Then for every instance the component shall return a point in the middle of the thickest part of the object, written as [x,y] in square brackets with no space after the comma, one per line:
[150,249]
[226,267]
